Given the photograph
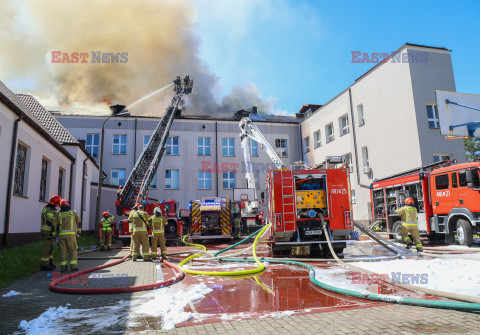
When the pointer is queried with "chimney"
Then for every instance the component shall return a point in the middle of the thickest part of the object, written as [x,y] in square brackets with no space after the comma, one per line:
[82,143]
[254,110]
[117,109]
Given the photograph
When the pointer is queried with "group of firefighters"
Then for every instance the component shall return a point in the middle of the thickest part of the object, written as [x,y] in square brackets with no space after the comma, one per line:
[62,227]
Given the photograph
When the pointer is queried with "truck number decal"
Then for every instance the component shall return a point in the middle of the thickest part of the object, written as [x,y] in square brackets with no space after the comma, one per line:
[339,191]
[441,194]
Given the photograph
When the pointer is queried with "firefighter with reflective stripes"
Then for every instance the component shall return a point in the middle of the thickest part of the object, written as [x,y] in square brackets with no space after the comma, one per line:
[158,230]
[408,214]
[130,226]
[48,233]
[107,231]
[69,227]
[140,222]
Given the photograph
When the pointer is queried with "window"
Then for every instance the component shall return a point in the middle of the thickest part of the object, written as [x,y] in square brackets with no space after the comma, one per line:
[146,139]
[281,147]
[440,157]
[256,176]
[432,115]
[361,118]
[118,177]
[43,181]
[61,177]
[344,126]
[317,140]
[153,184]
[204,180]
[454,180]
[462,179]
[228,180]
[171,179]
[20,166]
[172,146]
[204,146]
[228,146]
[349,161]
[441,182]
[330,136]
[365,156]
[119,144]
[306,144]
[92,144]
[354,198]
[253,148]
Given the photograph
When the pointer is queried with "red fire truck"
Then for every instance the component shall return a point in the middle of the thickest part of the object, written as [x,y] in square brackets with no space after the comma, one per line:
[211,218]
[299,200]
[176,227]
[447,197]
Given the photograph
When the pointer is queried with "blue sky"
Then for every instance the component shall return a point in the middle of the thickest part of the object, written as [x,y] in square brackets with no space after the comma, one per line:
[300,51]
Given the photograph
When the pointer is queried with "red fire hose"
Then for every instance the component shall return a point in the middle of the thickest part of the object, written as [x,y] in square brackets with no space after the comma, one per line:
[53,285]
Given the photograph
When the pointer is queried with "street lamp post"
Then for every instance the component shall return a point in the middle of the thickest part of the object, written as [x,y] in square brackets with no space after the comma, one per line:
[118,110]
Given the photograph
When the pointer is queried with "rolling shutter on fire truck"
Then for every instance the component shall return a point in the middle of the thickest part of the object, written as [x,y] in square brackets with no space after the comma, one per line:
[196,219]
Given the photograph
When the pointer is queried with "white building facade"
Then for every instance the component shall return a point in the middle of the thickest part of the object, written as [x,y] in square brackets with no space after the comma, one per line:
[385,122]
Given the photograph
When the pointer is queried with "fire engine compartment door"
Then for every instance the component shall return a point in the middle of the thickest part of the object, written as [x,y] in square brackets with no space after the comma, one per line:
[310,195]
[422,224]
[210,220]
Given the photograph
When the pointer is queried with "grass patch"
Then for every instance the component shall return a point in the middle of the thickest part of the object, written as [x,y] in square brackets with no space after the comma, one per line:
[20,262]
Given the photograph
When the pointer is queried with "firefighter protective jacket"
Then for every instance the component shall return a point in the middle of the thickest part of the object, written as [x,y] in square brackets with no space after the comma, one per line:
[68,223]
[48,220]
[158,224]
[140,221]
[107,223]
[408,214]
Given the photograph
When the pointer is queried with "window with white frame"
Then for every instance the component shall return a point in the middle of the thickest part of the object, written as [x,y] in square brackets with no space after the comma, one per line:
[344,125]
[61,180]
[365,156]
[349,161]
[203,146]
[441,157]
[228,146]
[354,198]
[432,115]
[146,139]
[361,116]
[281,147]
[119,144]
[118,177]
[171,148]
[21,168]
[92,144]
[329,133]
[171,179]
[253,148]
[256,175]
[204,180]
[43,181]
[317,140]
[229,180]
[153,184]
[306,144]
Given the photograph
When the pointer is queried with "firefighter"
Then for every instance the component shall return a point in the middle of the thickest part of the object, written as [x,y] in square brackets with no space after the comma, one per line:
[68,227]
[119,193]
[107,231]
[158,230]
[408,214]
[141,221]
[130,226]
[49,233]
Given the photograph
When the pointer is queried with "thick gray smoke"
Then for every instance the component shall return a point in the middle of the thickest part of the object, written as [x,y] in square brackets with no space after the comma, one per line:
[157,37]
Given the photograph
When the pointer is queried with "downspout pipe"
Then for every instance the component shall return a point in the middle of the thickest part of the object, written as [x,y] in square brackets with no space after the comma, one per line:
[216,156]
[82,202]
[70,184]
[11,170]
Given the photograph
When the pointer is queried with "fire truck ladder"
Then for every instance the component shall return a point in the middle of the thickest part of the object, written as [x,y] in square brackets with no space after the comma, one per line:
[138,183]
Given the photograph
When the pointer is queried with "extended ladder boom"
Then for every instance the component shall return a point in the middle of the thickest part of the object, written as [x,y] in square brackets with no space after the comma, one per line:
[250,131]
[138,183]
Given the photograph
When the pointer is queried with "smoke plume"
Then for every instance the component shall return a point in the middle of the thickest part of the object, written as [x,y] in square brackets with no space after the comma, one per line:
[157,36]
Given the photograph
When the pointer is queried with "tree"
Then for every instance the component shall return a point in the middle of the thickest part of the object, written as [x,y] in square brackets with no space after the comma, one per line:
[472,148]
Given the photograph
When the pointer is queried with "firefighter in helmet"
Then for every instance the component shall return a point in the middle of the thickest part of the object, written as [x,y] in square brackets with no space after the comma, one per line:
[158,230]
[69,227]
[130,225]
[141,221]
[408,214]
[107,231]
[49,233]
[119,193]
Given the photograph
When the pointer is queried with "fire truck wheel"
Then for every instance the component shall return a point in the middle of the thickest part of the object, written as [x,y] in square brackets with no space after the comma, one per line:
[125,241]
[397,227]
[464,232]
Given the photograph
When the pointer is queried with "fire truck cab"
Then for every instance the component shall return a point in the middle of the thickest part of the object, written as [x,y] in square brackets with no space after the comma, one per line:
[299,200]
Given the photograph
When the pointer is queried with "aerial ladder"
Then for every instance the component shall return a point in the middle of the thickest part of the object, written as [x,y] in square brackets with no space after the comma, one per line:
[138,183]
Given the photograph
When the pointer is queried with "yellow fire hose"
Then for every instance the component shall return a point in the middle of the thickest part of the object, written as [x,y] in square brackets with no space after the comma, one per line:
[260,268]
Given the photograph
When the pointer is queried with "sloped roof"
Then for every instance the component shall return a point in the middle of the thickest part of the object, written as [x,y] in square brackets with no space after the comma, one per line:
[55,128]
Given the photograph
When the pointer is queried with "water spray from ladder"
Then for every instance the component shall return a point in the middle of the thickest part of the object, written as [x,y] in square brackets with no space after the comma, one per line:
[148,96]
